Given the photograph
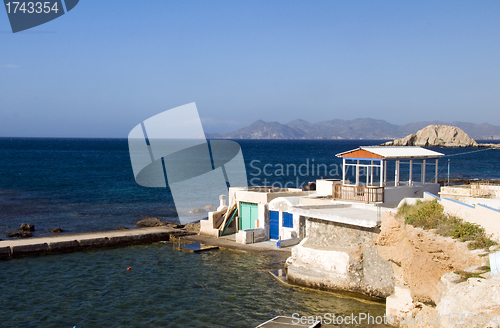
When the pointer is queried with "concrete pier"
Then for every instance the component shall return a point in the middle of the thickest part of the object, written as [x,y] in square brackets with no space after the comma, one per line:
[69,243]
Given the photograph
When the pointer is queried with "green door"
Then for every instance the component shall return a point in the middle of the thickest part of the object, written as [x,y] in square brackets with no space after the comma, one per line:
[248,215]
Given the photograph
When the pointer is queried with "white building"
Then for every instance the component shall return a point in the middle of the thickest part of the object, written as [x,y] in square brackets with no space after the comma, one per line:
[262,213]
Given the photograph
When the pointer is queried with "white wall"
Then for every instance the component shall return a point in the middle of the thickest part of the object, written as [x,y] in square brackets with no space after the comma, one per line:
[487,217]
[394,195]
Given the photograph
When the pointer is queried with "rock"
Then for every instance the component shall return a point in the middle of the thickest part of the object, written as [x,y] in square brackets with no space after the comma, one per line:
[20,234]
[150,222]
[193,226]
[25,227]
[198,210]
[399,303]
[436,136]
[122,228]
[56,230]
[210,208]
[420,258]
[489,145]
[448,280]
[479,297]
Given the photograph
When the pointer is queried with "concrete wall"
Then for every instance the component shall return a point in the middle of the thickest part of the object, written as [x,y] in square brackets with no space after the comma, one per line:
[487,217]
[473,190]
[251,236]
[325,186]
[394,195]
[340,257]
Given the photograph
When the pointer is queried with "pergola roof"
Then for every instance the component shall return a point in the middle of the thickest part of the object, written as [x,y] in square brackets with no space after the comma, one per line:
[388,152]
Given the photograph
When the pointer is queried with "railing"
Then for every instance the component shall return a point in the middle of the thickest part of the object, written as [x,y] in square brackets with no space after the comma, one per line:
[359,193]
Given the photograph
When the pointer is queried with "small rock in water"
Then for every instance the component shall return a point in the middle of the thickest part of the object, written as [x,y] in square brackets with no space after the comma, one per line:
[150,222]
[122,228]
[210,208]
[20,234]
[56,230]
[198,210]
[25,227]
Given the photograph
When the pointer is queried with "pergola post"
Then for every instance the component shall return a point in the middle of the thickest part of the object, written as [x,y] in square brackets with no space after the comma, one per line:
[385,173]
[396,174]
[371,173]
[411,173]
[382,178]
[343,171]
[436,174]
[357,172]
[423,172]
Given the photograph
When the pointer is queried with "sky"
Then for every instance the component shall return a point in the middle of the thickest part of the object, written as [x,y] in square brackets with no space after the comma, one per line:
[106,66]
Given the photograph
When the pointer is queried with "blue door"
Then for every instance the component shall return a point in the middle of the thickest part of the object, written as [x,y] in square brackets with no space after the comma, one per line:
[274,230]
[287,220]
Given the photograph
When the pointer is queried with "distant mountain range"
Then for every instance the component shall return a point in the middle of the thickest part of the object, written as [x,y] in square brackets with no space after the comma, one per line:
[360,128]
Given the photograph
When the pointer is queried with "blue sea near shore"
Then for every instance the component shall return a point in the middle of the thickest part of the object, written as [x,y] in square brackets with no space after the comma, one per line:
[83,185]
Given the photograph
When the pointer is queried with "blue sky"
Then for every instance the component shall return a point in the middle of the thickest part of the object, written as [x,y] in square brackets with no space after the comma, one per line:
[106,66]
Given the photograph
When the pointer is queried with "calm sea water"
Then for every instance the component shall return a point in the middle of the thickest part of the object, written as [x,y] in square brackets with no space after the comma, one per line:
[165,288]
[84,185]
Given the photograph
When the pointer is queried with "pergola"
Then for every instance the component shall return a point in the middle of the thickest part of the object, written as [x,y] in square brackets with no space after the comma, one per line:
[377,156]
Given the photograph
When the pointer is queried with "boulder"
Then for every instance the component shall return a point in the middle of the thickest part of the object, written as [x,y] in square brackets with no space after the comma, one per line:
[211,208]
[470,303]
[122,228]
[193,226]
[198,210]
[436,136]
[25,227]
[26,230]
[150,222]
[20,234]
[56,230]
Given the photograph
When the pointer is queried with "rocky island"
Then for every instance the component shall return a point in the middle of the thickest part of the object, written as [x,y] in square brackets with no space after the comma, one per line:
[439,136]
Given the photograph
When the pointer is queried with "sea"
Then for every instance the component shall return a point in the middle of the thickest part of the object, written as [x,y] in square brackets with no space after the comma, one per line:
[86,185]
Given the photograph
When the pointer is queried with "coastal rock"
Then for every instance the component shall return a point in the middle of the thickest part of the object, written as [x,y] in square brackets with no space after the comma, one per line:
[420,258]
[121,228]
[25,227]
[26,230]
[211,208]
[19,234]
[436,136]
[150,222]
[193,226]
[474,299]
[56,230]
[198,210]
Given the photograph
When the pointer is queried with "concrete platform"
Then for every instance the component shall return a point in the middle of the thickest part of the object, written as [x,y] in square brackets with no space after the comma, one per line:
[268,246]
[75,242]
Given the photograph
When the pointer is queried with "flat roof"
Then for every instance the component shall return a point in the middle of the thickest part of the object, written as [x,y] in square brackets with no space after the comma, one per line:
[390,152]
